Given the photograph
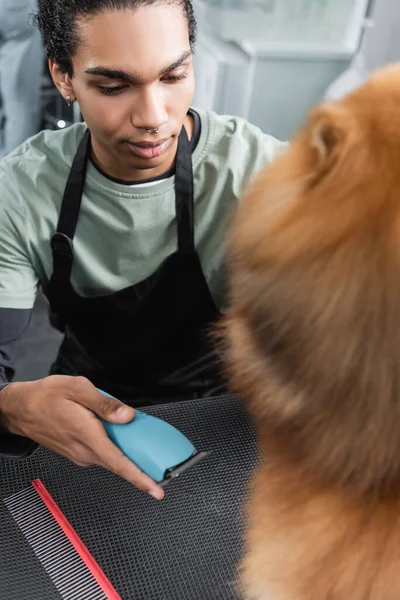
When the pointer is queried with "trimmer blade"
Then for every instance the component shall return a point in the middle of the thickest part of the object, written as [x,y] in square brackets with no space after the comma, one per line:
[179,469]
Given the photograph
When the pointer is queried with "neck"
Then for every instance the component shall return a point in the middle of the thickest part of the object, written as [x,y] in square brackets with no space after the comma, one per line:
[113,166]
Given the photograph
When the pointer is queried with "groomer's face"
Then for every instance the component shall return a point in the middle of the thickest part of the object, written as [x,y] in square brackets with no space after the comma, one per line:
[133,72]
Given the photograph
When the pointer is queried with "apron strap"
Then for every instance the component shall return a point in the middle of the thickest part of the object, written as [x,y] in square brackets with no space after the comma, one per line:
[184,195]
[62,240]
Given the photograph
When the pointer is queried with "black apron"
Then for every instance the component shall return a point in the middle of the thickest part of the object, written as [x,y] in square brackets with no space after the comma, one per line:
[147,343]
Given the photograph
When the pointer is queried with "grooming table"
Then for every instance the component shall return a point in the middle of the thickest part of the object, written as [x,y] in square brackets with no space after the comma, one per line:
[183,548]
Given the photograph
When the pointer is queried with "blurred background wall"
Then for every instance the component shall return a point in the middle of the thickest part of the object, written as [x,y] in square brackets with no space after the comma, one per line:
[271,60]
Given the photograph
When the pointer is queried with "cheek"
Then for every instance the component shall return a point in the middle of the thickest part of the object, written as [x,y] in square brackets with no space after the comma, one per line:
[180,96]
[105,114]
[190,84]
[190,88]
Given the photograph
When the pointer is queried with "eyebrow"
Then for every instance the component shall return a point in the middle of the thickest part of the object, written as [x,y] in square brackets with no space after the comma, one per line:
[131,77]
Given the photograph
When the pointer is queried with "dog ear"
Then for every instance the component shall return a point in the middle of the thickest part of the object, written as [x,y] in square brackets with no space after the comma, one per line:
[325,138]
[327,133]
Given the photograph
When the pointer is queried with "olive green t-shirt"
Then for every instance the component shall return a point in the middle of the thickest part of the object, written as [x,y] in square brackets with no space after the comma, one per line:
[124,232]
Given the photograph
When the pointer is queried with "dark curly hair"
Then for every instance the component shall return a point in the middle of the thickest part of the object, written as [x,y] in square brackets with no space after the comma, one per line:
[57,22]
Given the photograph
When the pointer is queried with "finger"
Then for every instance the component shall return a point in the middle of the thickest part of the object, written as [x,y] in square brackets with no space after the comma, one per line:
[82,464]
[111,458]
[110,409]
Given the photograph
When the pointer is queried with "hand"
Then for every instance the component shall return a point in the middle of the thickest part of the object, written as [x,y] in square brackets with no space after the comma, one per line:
[59,412]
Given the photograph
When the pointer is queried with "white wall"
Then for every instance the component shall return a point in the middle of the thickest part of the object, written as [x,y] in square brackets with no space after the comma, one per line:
[284,90]
[382,42]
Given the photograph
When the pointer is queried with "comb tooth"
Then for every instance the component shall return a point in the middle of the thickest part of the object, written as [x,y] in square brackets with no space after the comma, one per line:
[57,553]
[37,526]
[32,524]
[94,596]
[38,517]
[55,563]
[34,514]
[46,543]
[71,591]
[25,505]
[77,586]
[46,539]
[68,565]
[15,497]
[79,591]
[68,573]
[22,499]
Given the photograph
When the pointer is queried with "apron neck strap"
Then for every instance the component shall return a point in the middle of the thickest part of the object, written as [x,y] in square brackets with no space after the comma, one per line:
[61,242]
[184,195]
[72,198]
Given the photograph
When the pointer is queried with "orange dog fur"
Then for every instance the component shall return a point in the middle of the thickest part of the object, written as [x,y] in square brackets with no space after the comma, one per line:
[312,340]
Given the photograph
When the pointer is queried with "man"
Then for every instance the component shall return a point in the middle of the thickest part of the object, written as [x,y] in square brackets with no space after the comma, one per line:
[121,221]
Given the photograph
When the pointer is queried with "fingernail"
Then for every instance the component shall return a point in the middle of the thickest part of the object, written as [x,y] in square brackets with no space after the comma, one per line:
[157,494]
[124,412]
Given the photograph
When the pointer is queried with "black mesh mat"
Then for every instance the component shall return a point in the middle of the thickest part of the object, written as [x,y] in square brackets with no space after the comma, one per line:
[185,547]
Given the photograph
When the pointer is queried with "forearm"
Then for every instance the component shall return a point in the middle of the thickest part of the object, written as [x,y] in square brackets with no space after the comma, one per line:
[13,324]
[11,445]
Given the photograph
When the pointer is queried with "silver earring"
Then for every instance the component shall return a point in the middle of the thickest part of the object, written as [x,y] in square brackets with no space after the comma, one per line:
[69,100]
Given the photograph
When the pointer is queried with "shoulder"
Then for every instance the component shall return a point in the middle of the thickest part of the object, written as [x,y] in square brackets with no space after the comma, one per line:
[230,152]
[43,161]
[233,143]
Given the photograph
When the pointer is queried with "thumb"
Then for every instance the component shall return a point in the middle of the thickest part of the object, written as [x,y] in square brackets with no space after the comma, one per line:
[114,410]
[120,413]
[105,406]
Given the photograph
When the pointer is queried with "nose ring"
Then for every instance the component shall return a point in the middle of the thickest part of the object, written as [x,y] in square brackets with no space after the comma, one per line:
[152,130]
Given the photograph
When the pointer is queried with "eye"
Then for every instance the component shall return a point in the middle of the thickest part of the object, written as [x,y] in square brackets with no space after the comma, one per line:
[175,77]
[111,91]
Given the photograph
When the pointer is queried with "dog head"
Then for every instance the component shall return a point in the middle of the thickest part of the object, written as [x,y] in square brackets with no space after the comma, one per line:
[314,254]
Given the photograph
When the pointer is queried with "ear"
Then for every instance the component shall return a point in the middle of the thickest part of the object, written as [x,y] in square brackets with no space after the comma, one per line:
[62,81]
[327,134]
[324,138]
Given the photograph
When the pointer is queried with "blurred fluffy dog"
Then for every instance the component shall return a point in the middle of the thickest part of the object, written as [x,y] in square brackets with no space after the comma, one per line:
[312,339]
